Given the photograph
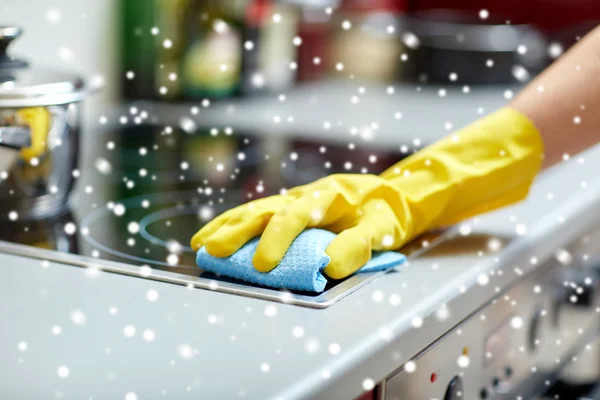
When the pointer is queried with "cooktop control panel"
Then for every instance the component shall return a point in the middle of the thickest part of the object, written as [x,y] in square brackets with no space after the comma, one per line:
[511,347]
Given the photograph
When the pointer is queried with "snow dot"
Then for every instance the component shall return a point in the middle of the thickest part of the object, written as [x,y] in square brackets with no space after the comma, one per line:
[152,295]
[387,241]
[248,45]
[129,331]
[334,348]
[154,31]
[521,229]
[394,299]
[410,40]
[489,63]
[443,313]
[22,346]
[521,49]
[133,227]
[339,66]
[172,259]
[270,310]
[537,289]
[508,94]
[70,228]
[53,15]
[465,229]
[185,351]
[13,215]
[577,120]
[555,50]
[346,25]
[417,321]
[297,41]
[463,361]
[297,331]
[149,335]
[311,346]
[484,14]
[442,92]
[368,384]
[277,18]
[494,244]
[377,296]
[410,367]
[516,322]
[483,279]
[78,317]
[130,396]
[62,371]
[119,210]
[564,257]
[130,75]
[520,73]
[167,43]
[103,166]
[264,367]
[453,76]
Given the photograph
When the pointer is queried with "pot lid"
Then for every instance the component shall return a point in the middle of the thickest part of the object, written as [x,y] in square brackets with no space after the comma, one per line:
[22,85]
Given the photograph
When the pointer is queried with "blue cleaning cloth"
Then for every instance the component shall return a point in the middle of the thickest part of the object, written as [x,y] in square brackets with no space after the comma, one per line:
[300,268]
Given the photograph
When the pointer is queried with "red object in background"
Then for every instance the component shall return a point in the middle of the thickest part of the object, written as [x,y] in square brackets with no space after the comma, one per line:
[547,15]
[433,377]
[370,6]
[367,395]
[314,35]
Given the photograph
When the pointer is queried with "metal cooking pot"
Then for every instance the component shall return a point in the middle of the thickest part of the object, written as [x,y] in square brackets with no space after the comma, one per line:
[39,135]
[473,50]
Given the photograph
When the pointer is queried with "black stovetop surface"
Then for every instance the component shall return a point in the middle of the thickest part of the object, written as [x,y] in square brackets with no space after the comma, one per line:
[145,190]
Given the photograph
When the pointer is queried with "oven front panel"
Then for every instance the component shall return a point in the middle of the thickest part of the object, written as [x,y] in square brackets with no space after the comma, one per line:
[514,345]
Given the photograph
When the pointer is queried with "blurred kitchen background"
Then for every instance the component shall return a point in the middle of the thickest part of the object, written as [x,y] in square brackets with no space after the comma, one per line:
[221,101]
[191,50]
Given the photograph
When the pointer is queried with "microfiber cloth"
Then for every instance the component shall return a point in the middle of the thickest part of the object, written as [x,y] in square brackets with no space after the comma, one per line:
[301,267]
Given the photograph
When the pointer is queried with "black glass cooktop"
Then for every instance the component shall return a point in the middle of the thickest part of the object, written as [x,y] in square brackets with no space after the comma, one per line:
[145,190]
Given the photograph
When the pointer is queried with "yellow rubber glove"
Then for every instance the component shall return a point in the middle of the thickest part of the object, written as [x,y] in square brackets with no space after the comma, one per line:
[38,119]
[488,164]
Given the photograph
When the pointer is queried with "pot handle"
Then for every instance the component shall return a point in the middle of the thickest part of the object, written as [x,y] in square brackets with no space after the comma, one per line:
[16,137]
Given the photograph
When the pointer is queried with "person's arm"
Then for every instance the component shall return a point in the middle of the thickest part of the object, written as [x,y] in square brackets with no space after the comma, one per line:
[564,101]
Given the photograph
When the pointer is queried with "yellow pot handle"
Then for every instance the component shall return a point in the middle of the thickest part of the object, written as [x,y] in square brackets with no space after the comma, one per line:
[38,120]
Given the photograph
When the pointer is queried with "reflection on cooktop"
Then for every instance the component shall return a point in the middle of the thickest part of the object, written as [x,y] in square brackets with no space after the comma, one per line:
[144,191]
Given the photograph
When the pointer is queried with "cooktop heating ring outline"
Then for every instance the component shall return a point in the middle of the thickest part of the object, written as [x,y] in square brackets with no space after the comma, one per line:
[159,198]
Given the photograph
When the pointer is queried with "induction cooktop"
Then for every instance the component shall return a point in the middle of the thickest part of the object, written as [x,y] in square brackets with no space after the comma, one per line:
[145,190]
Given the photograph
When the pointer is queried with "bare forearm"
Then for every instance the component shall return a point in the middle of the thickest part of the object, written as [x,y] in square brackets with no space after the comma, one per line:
[564,101]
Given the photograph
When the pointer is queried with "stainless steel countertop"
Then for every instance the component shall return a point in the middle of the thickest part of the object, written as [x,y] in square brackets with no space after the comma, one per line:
[236,347]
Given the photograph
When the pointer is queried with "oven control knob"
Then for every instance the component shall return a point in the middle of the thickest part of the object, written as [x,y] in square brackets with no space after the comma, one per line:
[455,389]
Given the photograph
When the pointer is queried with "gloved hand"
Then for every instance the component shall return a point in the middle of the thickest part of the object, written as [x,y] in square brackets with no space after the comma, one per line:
[488,164]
